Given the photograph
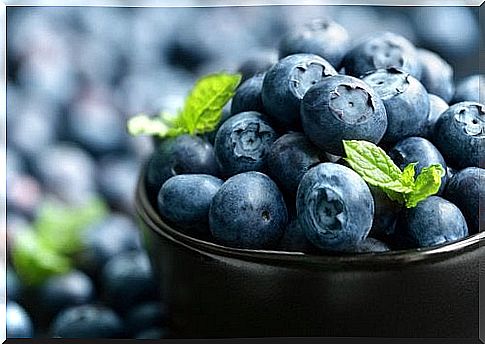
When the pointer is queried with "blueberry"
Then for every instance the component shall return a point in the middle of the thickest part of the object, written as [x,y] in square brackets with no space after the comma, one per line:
[420,150]
[185,200]
[294,239]
[335,207]
[18,322]
[248,95]
[385,214]
[437,107]
[248,211]
[471,89]
[181,155]
[14,288]
[405,99]
[87,321]
[145,316]
[289,158]
[437,74]
[322,37]
[371,245]
[466,189]
[342,108]
[286,83]
[380,51]
[105,239]
[127,280]
[243,142]
[58,292]
[259,62]
[433,221]
[460,135]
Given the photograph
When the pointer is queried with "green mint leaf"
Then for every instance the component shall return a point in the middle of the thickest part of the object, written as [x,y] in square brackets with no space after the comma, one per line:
[60,227]
[203,106]
[34,261]
[145,125]
[375,166]
[408,174]
[427,183]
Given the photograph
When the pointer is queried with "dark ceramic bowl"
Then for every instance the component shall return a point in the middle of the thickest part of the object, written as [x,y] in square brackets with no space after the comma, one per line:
[216,291]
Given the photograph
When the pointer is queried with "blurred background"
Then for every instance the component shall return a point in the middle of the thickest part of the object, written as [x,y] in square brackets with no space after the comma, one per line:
[75,74]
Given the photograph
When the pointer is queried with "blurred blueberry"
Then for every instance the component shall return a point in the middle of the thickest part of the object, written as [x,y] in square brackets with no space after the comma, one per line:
[437,74]
[146,316]
[471,88]
[258,62]
[62,291]
[127,280]
[87,321]
[18,322]
[153,333]
[106,239]
[14,286]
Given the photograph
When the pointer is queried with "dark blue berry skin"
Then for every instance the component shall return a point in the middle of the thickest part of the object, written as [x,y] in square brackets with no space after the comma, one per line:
[405,99]
[59,292]
[243,142]
[466,189]
[335,207]
[290,157]
[294,239]
[420,150]
[127,280]
[470,89]
[87,321]
[249,212]
[322,37]
[433,221]
[105,239]
[371,245]
[380,51]
[145,316]
[286,83]
[342,108]
[181,155]
[385,214]
[460,135]
[185,200]
[437,106]
[14,288]
[437,75]
[18,322]
[248,96]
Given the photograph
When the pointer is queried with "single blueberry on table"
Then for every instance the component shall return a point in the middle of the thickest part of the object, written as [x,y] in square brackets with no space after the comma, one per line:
[322,37]
[105,239]
[289,158]
[433,221]
[420,150]
[243,142]
[437,107]
[59,292]
[185,200]
[470,89]
[87,321]
[340,108]
[460,135]
[249,212]
[127,280]
[437,74]
[248,96]
[386,212]
[181,155]
[466,189]
[18,322]
[335,207]
[380,51]
[405,99]
[286,83]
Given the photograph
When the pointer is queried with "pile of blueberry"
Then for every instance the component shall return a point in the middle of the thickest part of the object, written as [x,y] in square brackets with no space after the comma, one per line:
[274,174]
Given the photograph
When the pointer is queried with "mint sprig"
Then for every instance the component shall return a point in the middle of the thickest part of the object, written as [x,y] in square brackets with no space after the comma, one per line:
[378,169]
[201,113]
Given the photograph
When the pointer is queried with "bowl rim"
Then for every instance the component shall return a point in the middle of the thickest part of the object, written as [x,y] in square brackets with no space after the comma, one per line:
[151,218]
